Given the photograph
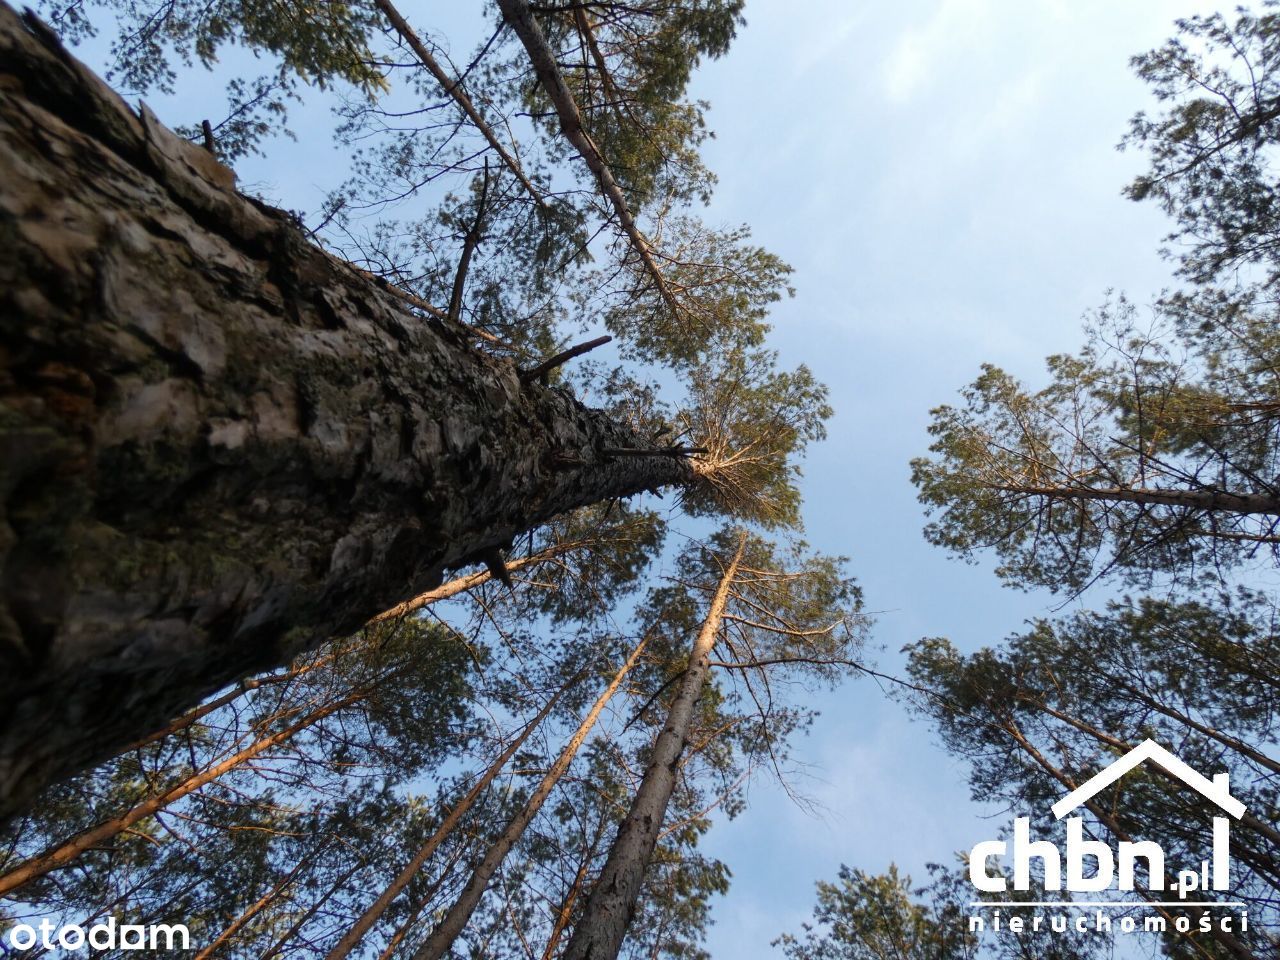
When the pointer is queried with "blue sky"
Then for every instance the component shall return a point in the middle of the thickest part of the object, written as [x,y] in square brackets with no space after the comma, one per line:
[943,176]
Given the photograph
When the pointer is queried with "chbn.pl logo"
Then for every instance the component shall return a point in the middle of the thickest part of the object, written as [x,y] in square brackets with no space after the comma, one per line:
[1092,866]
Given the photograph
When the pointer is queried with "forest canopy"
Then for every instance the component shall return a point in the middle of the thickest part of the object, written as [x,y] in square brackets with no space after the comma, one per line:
[405,657]
[424,574]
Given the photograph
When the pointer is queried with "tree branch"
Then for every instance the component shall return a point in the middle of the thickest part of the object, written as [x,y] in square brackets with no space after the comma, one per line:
[520,17]
[469,244]
[453,88]
[560,359]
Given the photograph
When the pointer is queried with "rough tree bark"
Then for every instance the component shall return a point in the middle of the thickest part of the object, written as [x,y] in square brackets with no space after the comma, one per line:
[219,445]
[612,903]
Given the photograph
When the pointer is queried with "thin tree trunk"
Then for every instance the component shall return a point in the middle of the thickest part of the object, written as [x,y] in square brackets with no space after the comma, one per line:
[520,18]
[453,88]
[353,936]
[443,592]
[448,930]
[278,947]
[1209,500]
[1248,820]
[192,717]
[1268,832]
[403,930]
[612,903]
[253,910]
[67,851]
[219,445]
[462,584]
[1244,749]
[575,890]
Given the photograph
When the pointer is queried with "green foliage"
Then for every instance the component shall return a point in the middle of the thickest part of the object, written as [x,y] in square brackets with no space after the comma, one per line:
[311,817]
[754,422]
[725,287]
[620,542]
[1211,149]
[320,823]
[1059,702]
[792,622]
[312,44]
[866,917]
[635,109]
[568,847]
[881,917]
[1151,453]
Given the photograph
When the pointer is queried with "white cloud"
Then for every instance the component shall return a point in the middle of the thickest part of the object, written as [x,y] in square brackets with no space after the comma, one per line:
[832,42]
[905,70]
[914,62]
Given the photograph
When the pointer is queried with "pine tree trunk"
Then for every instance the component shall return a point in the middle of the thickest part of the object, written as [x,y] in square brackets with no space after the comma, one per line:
[422,903]
[1210,501]
[351,939]
[286,938]
[255,908]
[612,903]
[565,913]
[449,928]
[220,446]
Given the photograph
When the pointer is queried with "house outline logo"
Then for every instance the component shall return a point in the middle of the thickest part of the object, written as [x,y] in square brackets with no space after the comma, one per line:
[1216,790]
[1121,864]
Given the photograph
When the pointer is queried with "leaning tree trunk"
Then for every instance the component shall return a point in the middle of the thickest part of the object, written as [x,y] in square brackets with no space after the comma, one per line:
[456,918]
[351,939]
[613,899]
[219,445]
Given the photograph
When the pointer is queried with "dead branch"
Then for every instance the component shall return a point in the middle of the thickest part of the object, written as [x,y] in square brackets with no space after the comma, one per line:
[564,356]
[469,244]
